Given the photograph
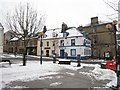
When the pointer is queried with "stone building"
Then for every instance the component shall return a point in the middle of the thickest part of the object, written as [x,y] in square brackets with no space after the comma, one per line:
[7,37]
[13,44]
[1,38]
[102,39]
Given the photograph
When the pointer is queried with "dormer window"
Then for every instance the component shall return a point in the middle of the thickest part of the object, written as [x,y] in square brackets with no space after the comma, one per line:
[65,34]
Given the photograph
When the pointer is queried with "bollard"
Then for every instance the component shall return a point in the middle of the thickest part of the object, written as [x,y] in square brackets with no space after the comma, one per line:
[54,58]
[78,60]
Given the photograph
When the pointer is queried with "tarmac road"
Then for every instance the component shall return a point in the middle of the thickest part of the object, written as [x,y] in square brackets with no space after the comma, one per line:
[64,79]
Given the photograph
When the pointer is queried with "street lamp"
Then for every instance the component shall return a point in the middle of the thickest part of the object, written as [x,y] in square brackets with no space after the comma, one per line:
[41,36]
[110,27]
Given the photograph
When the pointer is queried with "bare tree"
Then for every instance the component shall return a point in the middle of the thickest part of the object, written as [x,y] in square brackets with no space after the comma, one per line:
[24,24]
[115,6]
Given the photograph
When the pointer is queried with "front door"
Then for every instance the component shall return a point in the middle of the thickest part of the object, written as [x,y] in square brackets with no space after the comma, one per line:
[47,53]
[62,53]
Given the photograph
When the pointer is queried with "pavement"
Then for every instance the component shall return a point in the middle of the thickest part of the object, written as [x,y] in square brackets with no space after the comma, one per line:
[33,57]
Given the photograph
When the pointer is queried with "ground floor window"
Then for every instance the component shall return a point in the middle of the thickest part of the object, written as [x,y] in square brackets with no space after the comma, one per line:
[87,52]
[73,52]
[53,51]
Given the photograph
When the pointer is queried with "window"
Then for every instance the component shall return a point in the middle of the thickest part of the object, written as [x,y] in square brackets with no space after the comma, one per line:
[73,52]
[72,42]
[118,36]
[87,52]
[11,43]
[21,43]
[47,43]
[53,51]
[53,43]
[62,43]
[118,42]
[86,42]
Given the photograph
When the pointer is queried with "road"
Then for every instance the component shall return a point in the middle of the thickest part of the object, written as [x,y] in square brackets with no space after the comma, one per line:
[80,79]
[64,79]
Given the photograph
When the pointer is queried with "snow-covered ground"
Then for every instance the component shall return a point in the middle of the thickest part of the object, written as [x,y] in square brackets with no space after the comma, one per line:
[34,70]
[10,55]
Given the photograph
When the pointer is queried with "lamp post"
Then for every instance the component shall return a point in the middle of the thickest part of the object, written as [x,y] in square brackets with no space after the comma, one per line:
[41,48]
[110,27]
[41,36]
[54,53]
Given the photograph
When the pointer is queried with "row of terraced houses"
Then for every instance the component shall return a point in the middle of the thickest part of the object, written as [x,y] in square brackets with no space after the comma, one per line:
[92,40]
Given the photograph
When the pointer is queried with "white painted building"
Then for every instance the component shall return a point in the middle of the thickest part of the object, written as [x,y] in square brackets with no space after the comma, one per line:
[74,44]
[55,42]
[1,38]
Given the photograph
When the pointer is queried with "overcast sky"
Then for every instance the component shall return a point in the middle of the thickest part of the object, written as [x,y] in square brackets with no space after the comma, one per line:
[72,12]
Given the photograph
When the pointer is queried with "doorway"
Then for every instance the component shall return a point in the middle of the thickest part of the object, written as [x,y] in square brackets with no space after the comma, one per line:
[62,53]
[47,53]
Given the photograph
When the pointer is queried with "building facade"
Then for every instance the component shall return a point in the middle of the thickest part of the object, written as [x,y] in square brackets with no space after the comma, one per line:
[73,43]
[15,45]
[7,37]
[1,38]
[56,42]
[49,43]
[102,39]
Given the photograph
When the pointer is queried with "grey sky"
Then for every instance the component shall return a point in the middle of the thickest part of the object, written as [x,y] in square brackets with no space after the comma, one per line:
[72,12]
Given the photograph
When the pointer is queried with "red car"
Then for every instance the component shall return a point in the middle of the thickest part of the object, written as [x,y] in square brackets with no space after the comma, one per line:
[111,64]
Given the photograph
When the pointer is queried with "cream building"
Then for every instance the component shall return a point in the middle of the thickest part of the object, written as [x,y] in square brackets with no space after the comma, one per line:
[49,43]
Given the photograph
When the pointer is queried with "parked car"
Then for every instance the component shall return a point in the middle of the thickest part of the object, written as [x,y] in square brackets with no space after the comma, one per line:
[110,64]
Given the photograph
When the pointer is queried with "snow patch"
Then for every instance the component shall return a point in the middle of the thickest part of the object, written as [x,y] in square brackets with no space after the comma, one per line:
[32,71]
[105,74]
[72,74]
[55,84]
[17,56]
[19,87]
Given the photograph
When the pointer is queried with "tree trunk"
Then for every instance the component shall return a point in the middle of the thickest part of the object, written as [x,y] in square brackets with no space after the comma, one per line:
[24,54]
[24,59]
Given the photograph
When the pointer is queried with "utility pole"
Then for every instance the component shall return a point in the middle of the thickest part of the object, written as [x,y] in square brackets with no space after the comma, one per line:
[117,57]
[41,49]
